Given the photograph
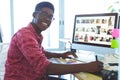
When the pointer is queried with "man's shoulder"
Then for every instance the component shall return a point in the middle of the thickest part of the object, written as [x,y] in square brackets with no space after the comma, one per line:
[25,29]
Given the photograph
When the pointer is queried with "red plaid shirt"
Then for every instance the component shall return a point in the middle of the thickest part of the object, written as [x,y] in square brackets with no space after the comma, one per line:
[26,58]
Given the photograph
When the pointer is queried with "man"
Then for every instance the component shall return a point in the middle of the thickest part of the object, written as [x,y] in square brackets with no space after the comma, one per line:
[27,59]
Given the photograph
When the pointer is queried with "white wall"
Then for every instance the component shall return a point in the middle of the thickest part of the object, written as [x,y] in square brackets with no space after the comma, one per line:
[73,7]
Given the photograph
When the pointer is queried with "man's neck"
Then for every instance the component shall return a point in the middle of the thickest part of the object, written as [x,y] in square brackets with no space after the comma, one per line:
[36,28]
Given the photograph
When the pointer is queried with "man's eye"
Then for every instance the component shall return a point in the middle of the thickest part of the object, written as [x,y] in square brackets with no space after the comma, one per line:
[44,14]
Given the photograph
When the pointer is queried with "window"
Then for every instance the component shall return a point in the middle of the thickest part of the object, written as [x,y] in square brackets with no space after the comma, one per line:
[16,14]
[5,20]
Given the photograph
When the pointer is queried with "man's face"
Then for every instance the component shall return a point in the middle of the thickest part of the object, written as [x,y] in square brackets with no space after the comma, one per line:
[43,18]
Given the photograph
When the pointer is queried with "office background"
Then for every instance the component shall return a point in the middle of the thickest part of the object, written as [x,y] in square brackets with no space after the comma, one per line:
[15,14]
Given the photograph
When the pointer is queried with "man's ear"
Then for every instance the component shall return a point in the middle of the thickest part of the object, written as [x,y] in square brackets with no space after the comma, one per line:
[34,14]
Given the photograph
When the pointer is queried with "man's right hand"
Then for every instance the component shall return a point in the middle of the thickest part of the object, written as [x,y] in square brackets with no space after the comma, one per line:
[94,66]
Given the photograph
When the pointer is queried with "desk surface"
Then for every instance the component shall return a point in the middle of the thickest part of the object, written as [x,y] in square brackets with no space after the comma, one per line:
[81,75]
[87,76]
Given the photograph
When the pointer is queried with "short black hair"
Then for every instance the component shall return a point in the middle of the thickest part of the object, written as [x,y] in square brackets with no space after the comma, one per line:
[44,4]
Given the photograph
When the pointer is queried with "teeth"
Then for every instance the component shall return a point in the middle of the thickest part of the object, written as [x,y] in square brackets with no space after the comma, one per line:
[45,24]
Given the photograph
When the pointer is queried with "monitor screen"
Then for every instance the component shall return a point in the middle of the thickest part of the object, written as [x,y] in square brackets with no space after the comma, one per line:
[94,29]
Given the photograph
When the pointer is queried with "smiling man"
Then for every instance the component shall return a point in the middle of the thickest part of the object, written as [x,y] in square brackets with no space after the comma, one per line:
[28,60]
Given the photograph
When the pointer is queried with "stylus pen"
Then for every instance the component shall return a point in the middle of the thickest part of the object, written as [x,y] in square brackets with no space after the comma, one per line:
[96,57]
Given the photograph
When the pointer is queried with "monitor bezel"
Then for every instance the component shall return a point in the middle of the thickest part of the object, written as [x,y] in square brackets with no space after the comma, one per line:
[99,14]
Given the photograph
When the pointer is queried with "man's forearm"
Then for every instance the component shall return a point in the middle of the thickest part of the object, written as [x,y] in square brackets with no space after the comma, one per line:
[53,55]
[65,69]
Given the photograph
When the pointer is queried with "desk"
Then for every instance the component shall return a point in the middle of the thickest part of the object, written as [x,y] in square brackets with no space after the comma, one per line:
[87,76]
[81,75]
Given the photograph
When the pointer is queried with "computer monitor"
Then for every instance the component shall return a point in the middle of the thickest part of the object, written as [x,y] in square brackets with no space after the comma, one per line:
[94,29]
